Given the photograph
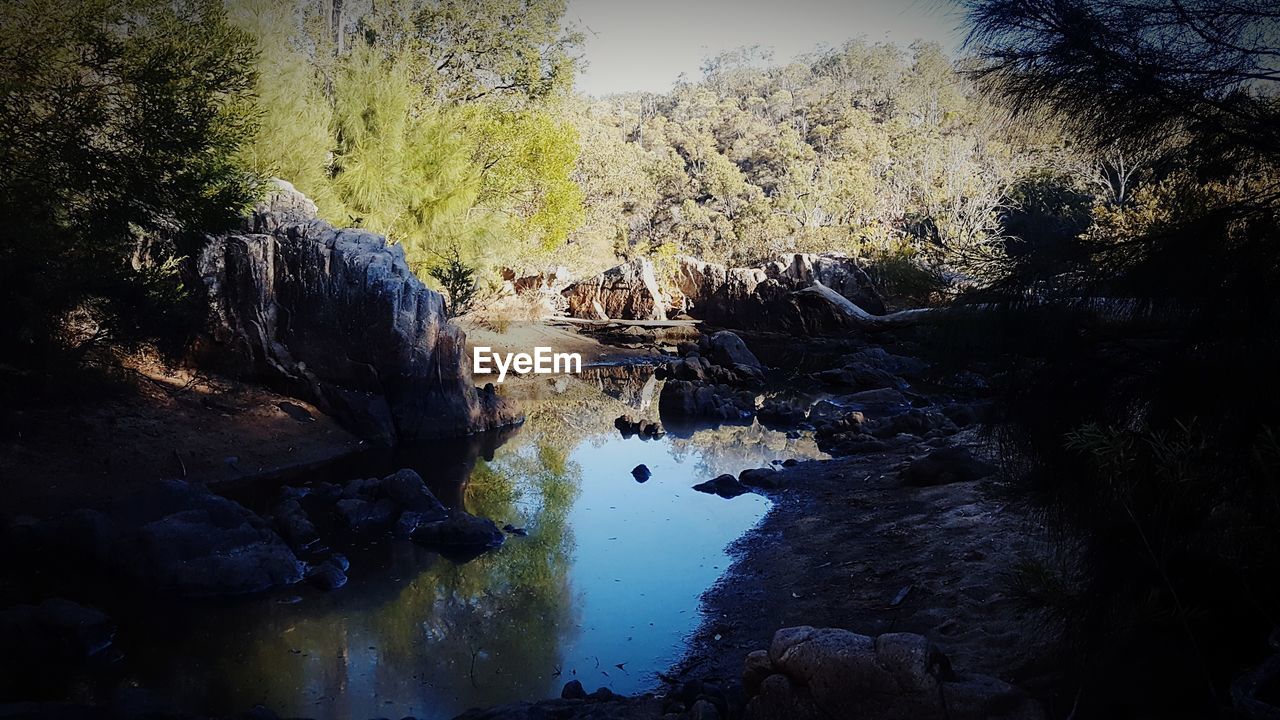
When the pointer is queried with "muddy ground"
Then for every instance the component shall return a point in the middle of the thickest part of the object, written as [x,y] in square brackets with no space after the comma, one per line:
[848,545]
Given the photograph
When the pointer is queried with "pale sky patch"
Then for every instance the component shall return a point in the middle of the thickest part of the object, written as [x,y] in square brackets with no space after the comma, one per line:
[645,45]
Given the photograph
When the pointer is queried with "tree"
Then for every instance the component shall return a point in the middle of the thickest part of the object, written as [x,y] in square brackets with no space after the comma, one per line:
[1129,357]
[120,124]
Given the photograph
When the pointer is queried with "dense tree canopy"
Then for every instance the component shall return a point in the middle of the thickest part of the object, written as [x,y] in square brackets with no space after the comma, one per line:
[868,148]
[119,123]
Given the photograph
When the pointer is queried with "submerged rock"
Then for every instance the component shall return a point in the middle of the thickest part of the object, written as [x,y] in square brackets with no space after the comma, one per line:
[726,486]
[337,317]
[327,576]
[460,537]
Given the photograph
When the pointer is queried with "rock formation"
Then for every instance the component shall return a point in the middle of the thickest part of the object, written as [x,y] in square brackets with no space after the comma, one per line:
[828,673]
[625,292]
[336,316]
[765,298]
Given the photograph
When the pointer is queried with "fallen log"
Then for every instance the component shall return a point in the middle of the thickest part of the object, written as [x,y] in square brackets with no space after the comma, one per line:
[859,318]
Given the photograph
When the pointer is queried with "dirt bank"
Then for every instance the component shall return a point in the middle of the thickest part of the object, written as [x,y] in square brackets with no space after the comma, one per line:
[847,545]
[164,424]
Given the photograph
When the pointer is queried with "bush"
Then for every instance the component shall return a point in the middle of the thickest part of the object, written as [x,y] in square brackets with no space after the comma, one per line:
[120,124]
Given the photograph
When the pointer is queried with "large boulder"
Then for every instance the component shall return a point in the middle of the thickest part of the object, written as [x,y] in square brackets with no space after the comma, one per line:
[625,292]
[180,538]
[337,317]
[763,298]
[829,673]
[727,349]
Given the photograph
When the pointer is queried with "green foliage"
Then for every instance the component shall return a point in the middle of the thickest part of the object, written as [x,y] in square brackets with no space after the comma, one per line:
[429,123]
[457,279]
[862,149]
[119,130]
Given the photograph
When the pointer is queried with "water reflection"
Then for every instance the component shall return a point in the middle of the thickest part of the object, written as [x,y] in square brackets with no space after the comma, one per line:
[603,589]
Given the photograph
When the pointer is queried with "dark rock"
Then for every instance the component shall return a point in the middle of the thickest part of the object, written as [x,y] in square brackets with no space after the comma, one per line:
[327,576]
[726,349]
[963,415]
[513,530]
[881,359]
[758,667]
[882,397]
[409,521]
[573,690]
[911,422]
[766,478]
[726,486]
[406,489]
[781,411]
[641,473]
[461,537]
[861,376]
[178,537]
[338,318]
[682,398]
[790,462]
[703,710]
[362,516]
[291,521]
[946,465]
[602,694]
[55,631]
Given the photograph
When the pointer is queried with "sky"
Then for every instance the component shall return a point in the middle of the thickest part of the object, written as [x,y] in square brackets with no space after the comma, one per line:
[644,45]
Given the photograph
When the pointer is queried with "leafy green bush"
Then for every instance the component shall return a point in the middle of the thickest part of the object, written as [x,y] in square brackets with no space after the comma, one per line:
[119,128]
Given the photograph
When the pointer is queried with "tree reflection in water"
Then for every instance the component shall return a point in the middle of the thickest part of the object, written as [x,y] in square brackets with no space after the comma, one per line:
[609,574]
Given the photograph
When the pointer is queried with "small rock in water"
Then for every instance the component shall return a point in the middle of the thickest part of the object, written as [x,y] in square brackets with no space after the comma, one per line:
[513,530]
[327,576]
[641,473]
[764,477]
[726,486]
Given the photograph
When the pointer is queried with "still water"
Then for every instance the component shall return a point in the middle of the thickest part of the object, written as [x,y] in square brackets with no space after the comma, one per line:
[604,588]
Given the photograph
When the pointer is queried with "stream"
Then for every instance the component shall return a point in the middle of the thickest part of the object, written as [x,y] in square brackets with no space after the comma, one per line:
[604,588]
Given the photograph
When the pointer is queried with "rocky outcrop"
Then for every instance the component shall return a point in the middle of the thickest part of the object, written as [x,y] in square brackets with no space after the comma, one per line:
[709,380]
[829,673]
[336,316]
[625,292]
[173,537]
[763,298]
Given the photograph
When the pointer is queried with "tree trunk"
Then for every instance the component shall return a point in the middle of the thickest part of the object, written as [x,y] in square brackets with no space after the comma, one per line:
[859,318]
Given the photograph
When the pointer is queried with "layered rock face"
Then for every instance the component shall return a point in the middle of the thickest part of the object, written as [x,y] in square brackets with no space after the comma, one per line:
[762,298]
[625,292]
[338,318]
